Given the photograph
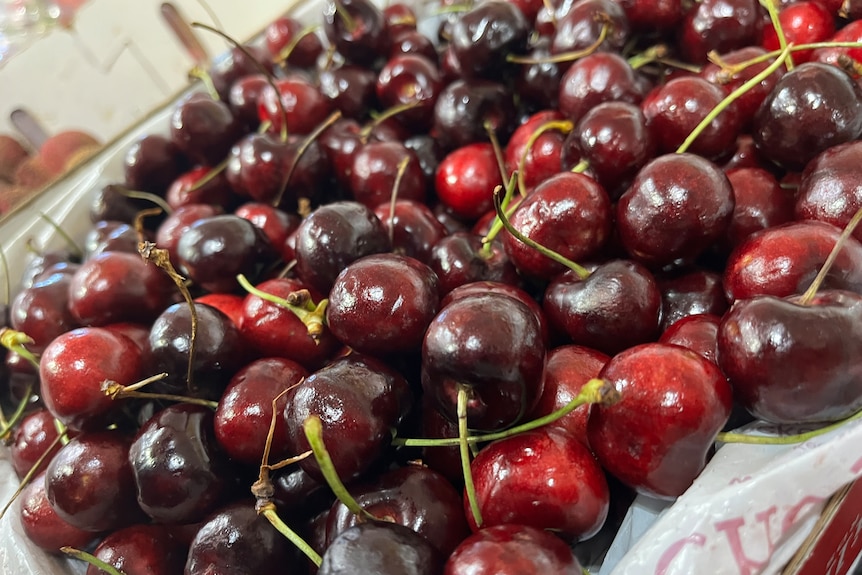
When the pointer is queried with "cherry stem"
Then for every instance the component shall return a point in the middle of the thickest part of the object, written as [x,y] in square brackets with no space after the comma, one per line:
[498,150]
[564,56]
[731,437]
[581,167]
[259,66]
[594,391]
[564,126]
[728,100]
[306,144]
[91,559]
[61,431]
[464,449]
[648,56]
[162,259]
[313,316]
[19,413]
[313,428]
[733,69]
[15,341]
[268,510]
[497,225]
[30,474]
[399,175]
[779,31]
[116,390]
[454,8]
[210,175]
[285,53]
[579,270]
[74,248]
[262,489]
[139,195]
[346,18]
[366,130]
[200,73]
[830,259]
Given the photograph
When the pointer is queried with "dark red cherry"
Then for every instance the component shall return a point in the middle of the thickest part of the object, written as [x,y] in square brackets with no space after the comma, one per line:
[831,187]
[413,227]
[74,366]
[382,548]
[243,97]
[412,80]
[257,166]
[399,17]
[216,191]
[111,236]
[543,159]
[178,223]
[372,400]
[569,214]
[333,236]
[617,306]
[674,110]
[237,540]
[351,89]
[141,550]
[204,129]
[235,64]
[152,163]
[545,478]
[581,25]
[31,440]
[304,105]
[692,293]
[413,496]
[276,224]
[411,41]
[374,173]
[41,310]
[245,409]
[491,345]
[698,333]
[180,472]
[357,29]
[599,77]
[813,107]
[43,526]
[381,304]
[512,550]
[461,258]
[676,207]
[286,31]
[652,15]
[482,37]
[464,107]
[538,83]
[759,203]
[89,482]
[719,25]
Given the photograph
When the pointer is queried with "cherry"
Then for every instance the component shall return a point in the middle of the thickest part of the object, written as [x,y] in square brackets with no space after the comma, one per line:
[271,330]
[410,80]
[481,38]
[213,251]
[830,189]
[413,227]
[490,345]
[152,163]
[537,81]
[296,493]
[189,188]
[227,303]
[465,107]
[691,293]
[543,158]
[613,139]
[698,333]
[676,207]
[286,31]
[411,41]
[351,89]
[239,62]
[334,235]
[580,27]
[381,304]
[617,306]
[759,203]
[141,550]
[381,547]
[112,203]
[768,349]
[568,369]
[180,473]
[653,15]
[34,437]
[73,368]
[813,107]
[41,310]
[399,17]
[511,550]
[305,106]
[720,26]
[374,174]
[802,23]
[462,258]
[657,437]
[89,482]
[782,261]
[245,409]
[204,129]
[357,29]
[43,526]
[412,496]
[569,214]
[257,166]
[837,56]
[243,97]
[673,111]
[237,540]
[178,223]
[110,236]
[466,179]
[599,77]
[372,400]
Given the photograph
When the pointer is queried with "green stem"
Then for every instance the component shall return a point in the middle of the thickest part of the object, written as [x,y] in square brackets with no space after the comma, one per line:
[580,167]
[314,434]
[271,515]
[138,195]
[508,207]
[731,437]
[833,255]
[199,73]
[498,149]
[15,341]
[727,101]
[291,46]
[581,271]
[314,320]
[565,56]
[74,248]
[464,448]
[594,391]
[19,413]
[306,144]
[92,560]
[779,31]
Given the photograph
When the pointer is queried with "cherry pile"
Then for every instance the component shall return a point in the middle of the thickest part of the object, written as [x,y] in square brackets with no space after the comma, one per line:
[444,305]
